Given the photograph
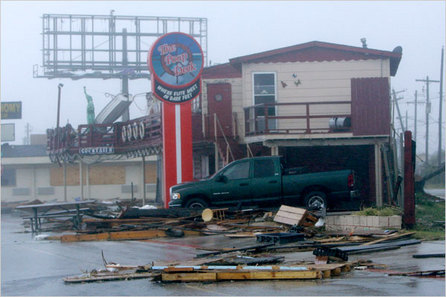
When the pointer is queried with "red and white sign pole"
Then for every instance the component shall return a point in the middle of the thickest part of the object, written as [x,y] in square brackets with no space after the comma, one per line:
[176,61]
[177,145]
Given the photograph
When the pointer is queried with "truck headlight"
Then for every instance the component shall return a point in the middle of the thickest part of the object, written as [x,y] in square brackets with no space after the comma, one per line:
[176,196]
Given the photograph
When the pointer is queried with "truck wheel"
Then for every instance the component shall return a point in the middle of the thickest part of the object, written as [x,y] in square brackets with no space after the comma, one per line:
[316,200]
[196,203]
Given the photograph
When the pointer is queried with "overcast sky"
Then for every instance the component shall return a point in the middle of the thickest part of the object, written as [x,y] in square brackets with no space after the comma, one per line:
[235,28]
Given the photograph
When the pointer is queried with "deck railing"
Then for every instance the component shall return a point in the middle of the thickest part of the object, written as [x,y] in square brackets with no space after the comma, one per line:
[138,133]
[298,118]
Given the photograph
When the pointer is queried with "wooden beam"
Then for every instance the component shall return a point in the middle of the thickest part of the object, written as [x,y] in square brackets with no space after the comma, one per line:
[240,275]
[112,277]
[390,237]
[123,235]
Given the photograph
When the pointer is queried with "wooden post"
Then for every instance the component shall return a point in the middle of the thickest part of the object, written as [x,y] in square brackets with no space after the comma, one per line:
[65,181]
[81,177]
[378,176]
[87,180]
[409,181]
[143,180]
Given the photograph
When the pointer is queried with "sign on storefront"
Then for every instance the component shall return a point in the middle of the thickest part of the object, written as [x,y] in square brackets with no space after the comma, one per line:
[11,110]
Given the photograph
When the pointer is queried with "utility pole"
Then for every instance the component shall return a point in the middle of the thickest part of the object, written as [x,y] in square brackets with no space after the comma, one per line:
[440,118]
[407,117]
[395,101]
[27,131]
[416,102]
[428,110]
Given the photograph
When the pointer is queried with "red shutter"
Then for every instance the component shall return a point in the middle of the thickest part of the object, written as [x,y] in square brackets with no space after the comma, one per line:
[370,106]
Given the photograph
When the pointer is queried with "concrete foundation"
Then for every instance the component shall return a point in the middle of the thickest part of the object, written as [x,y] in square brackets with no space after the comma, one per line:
[352,222]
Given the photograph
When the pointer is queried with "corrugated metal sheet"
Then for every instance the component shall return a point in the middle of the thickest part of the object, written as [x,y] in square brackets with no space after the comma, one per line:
[370,106]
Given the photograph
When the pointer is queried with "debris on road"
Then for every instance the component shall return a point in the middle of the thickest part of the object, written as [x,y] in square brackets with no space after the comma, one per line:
[422,256]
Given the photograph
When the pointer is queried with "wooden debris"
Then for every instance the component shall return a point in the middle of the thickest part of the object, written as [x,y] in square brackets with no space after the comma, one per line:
[255,247]
[123,235]
[294,216]
[239,275]
[217,214]
[107,276]
[422,256]
[389,237]
[218,273]
[426,273]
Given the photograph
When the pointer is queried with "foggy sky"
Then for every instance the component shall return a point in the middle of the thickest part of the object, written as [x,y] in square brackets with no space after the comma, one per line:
[235,28]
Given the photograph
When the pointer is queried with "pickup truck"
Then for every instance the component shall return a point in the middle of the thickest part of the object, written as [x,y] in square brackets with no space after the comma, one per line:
[265,181]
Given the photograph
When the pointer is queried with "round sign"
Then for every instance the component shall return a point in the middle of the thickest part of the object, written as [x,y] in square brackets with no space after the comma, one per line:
[176,60]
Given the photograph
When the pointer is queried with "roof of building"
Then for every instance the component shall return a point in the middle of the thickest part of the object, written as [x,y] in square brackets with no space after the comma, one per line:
[306,52]
[17,151]
[221,71]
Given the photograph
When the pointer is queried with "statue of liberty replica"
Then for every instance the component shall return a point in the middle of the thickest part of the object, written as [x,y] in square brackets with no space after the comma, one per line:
[90,108]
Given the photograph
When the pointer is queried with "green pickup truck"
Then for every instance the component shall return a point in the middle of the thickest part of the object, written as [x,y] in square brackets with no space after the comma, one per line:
[265,181]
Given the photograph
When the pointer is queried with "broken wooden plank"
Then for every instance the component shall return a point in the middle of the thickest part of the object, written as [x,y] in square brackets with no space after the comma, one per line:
[390,237]
[422,256]
[107,277]
[239,275]
[425,273]
[122,235]
[189,277]
[254,247]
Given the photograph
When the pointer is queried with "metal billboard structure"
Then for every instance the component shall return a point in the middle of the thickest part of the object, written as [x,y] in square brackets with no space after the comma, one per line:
[107,46]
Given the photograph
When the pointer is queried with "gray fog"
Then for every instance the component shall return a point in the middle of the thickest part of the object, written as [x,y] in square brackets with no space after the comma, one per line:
[235,28]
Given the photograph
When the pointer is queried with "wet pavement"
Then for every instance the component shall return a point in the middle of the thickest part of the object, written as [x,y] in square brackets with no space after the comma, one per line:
[440,193]
[32,267]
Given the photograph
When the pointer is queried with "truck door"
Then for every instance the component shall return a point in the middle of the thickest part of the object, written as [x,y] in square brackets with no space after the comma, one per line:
[232,184]
[266,180]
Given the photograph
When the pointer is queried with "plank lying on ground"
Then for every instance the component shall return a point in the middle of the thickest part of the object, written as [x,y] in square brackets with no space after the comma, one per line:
[122,235]
[221,273]
[390,237]
[107,277]
[374,250]
[360,232]
[439,273]
[421,256]
[254,247]
[399,243]
[239,275]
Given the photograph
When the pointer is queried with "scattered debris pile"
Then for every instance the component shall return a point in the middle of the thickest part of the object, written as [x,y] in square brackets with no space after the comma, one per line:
[264,233]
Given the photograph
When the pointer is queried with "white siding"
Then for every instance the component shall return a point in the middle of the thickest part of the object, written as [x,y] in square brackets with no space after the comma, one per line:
[304,82]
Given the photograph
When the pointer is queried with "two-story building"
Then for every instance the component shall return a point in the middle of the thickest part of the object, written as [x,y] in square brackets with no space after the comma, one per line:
[320,105]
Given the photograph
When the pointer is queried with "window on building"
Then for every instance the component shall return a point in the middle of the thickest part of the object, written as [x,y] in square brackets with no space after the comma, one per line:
[8,177]
[265,93]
